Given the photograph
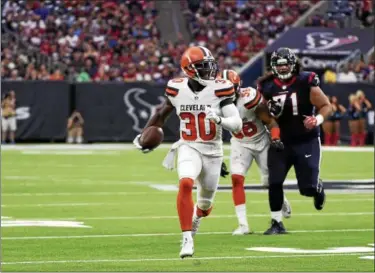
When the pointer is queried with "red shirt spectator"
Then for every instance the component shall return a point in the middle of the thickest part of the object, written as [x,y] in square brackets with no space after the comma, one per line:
[243,39]
[130,75]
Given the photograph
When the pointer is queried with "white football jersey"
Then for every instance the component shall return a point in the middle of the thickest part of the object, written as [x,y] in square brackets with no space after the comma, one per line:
[195,130]
[253,134]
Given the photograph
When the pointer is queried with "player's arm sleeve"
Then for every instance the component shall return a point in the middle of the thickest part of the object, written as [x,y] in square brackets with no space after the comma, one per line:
[171,92]
[226,102]
[231,119]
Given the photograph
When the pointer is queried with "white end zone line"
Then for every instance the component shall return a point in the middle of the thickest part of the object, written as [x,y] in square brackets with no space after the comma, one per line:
[169,234]
[128,146]
[178,259]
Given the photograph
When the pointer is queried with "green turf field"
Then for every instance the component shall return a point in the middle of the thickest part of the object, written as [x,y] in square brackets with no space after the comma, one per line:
[124,224]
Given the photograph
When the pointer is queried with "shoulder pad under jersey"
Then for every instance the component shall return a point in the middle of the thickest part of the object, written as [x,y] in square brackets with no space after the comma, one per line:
[223,88]
[311,78]
[252,97]
[173,86]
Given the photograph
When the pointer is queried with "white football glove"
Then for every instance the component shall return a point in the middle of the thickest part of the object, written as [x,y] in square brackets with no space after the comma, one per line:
[211,115]
[138,145]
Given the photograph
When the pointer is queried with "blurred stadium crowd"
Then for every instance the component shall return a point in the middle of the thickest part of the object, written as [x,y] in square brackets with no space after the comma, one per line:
[118,40]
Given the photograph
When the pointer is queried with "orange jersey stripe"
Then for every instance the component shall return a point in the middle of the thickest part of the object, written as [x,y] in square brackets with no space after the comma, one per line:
[172,92]
[254,102]
[224,92]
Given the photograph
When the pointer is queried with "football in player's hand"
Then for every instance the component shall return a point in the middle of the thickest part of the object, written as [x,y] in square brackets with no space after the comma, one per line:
[151,137]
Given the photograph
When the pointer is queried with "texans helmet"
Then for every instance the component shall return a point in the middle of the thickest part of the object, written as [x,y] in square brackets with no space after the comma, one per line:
[283,63]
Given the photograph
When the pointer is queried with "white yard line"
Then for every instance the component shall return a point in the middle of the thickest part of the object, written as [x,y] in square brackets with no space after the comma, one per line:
[178,259]
[20,177]
[216,216]
[105,236]
[167,234]
[254,215]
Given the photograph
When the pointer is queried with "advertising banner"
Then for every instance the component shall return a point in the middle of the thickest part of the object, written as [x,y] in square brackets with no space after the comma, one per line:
[319,48]
[42,109]
[118,111]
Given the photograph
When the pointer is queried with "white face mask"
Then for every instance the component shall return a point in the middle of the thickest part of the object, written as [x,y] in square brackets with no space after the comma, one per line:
[284,74]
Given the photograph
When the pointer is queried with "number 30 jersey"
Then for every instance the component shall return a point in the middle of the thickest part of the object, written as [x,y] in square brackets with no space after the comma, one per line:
[253,134]
[195,130]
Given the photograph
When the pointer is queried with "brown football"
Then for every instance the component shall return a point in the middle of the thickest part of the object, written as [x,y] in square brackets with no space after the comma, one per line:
[151,137]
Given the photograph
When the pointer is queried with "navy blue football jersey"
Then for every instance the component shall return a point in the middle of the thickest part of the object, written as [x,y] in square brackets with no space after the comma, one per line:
[294,95]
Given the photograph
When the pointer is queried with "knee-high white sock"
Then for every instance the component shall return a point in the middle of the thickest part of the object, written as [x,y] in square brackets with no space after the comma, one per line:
[241,214]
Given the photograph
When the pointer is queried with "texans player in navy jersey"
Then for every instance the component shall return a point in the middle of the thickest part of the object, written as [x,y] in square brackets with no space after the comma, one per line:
[299,105]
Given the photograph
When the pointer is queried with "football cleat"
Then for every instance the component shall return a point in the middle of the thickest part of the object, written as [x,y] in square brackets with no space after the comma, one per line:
[196,222]
[286,209]
[276,228]
[187,249]
[320,198]
[242,230]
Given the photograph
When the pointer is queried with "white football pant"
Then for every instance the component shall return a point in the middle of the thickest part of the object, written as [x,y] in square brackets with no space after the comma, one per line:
[204,170]
[241,159]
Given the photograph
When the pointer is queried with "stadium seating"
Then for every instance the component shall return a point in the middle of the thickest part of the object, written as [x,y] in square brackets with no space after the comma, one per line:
[341,13]
[252,25]
[87,40]
[118,40]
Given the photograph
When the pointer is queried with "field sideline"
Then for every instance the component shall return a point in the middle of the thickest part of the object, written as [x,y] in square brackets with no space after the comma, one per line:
[107,207]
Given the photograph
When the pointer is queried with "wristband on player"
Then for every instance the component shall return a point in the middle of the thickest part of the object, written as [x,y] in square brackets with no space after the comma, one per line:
[319,119]
[219,121]
[275,133]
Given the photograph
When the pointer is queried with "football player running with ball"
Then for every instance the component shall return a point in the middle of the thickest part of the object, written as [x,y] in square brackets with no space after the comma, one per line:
[251,143]
[299,106]
[204,105]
